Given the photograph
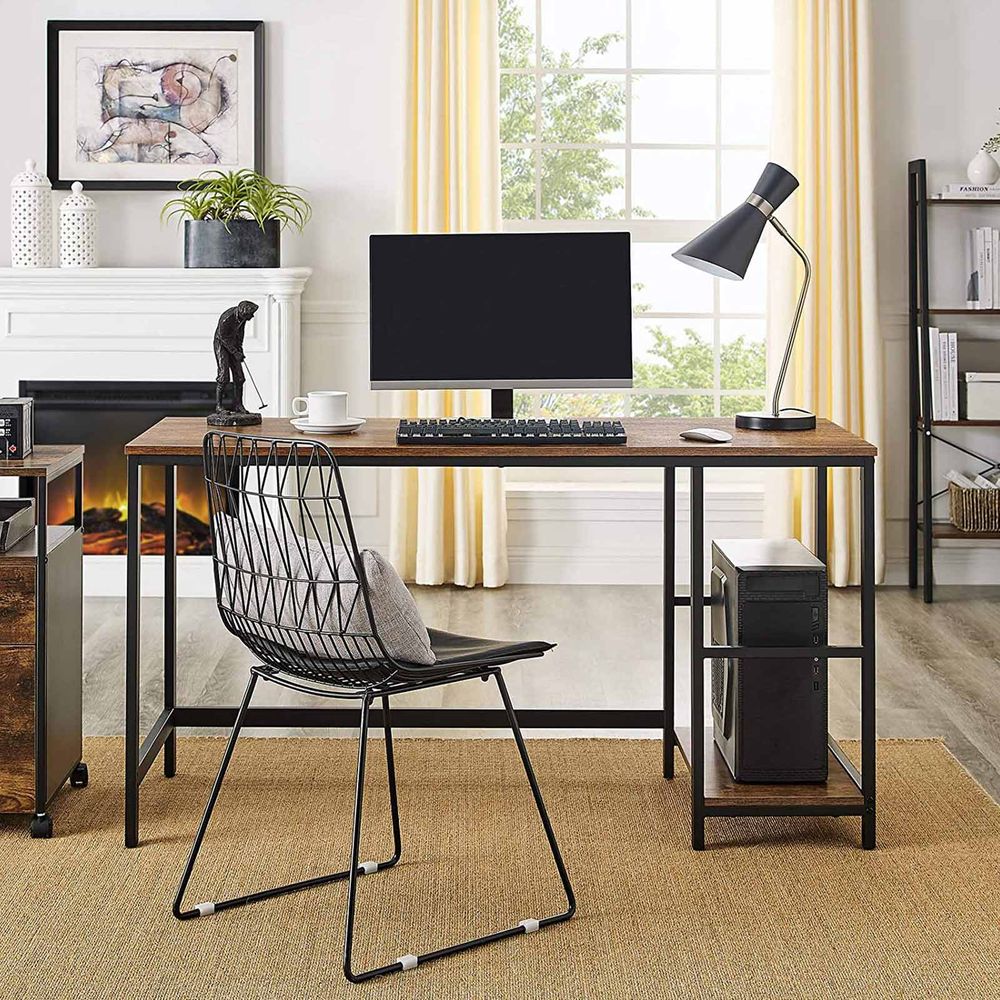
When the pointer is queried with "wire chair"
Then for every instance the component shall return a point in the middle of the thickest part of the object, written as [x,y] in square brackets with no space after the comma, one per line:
[291,585]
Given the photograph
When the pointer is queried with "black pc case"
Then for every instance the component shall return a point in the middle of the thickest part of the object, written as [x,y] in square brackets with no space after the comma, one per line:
[769,714]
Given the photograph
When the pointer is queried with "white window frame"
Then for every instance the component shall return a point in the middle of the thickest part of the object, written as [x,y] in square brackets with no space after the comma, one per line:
[642,230]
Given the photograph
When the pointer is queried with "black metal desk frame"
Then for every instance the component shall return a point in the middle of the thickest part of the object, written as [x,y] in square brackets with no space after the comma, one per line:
[139,757]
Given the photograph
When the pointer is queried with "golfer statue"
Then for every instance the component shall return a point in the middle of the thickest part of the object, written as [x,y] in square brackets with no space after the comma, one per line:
[228,344]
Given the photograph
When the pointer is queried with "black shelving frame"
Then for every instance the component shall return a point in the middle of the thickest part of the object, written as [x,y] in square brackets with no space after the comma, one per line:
[924,429]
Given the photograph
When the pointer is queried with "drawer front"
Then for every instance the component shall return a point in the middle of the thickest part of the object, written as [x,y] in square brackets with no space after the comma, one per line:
[17,602]
[17,729]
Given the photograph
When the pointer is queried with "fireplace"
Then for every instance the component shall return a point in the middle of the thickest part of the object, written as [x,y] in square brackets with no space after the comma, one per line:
[104,416]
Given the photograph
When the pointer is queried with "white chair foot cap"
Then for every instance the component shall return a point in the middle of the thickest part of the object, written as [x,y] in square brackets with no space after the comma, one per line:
[407,961]
[205,909]
[530,926]
[367,867]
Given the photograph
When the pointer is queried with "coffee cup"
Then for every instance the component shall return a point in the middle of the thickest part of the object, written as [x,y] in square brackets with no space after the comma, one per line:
[326,406]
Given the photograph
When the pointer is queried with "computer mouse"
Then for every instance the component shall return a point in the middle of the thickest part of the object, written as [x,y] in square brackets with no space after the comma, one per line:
[710,434]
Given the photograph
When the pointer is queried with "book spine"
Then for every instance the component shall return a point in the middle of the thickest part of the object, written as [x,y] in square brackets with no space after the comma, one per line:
[995,238]
[987,268]
[935,353]
[980,268]
[971,291]
[953,373]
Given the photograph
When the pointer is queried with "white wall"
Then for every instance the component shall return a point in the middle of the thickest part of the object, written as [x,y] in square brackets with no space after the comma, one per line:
[936,96]
[332,72]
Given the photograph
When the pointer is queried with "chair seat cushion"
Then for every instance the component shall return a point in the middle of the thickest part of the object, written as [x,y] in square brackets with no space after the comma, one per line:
[469,651]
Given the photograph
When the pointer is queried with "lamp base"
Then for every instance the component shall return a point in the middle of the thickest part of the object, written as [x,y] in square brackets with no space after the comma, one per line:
[764,421]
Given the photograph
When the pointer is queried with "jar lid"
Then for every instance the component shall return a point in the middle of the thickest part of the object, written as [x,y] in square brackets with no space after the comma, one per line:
[30,177]
[77,201]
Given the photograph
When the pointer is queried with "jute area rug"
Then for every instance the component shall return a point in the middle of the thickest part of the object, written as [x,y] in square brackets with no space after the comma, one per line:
[774,908]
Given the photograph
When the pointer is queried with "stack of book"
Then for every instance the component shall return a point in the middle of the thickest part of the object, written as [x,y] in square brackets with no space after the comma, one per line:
[982,265]
[944,375]
[969,192]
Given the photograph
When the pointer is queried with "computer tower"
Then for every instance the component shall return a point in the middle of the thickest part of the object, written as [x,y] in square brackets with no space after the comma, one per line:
[769,714]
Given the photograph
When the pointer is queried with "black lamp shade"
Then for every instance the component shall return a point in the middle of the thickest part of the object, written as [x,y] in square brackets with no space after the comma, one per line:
[727,246]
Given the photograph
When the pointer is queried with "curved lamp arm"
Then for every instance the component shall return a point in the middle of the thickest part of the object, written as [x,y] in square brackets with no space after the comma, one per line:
[783,371]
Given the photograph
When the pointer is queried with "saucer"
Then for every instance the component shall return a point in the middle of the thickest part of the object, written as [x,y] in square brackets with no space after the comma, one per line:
[349,424]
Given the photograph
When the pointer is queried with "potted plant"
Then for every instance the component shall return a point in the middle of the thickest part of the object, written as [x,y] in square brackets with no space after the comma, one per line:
[235,219]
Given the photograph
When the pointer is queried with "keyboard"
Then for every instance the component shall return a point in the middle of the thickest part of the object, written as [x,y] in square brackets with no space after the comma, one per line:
[472,430]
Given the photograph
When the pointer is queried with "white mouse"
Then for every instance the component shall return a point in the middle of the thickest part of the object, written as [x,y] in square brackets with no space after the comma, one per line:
[710,434]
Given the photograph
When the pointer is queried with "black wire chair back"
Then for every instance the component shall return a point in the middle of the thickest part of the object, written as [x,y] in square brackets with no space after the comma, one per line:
[289,579]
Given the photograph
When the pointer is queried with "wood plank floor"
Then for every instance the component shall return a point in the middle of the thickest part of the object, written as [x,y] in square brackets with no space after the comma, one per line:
[938,665]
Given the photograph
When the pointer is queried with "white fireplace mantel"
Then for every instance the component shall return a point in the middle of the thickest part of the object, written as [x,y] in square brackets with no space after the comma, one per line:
[147,323]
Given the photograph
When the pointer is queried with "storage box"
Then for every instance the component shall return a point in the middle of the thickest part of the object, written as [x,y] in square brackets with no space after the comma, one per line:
[17,432]
[974,510]
[17,518]
[979,395]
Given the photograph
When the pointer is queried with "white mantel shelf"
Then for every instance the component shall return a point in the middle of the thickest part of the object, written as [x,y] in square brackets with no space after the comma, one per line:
[206,281]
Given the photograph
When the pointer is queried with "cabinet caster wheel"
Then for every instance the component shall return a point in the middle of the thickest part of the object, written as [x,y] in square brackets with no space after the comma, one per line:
[79,777]
[41,826]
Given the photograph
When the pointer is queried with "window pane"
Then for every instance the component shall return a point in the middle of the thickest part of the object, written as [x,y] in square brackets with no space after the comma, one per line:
[576,33]
[674,183]
[581,405]
[517,179]
[662,284]
[673,354]
[578,107]
[673,34]
[747,29]
[731,405]
[517,33]
[517,107]
[583,184]
[740,171]
[672,406]
[673,109]
[746,109]
[741,354]
[750,294]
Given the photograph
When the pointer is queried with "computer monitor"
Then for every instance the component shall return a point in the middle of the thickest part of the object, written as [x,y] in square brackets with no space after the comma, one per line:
[501,311]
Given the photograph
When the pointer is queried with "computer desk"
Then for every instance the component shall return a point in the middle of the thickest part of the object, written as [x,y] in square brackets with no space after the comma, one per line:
[652,443]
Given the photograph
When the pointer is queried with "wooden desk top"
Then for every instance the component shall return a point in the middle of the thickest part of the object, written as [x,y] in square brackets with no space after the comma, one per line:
[45,460]
[647,438]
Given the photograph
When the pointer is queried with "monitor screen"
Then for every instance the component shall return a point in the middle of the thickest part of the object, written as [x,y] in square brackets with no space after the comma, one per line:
[501,310]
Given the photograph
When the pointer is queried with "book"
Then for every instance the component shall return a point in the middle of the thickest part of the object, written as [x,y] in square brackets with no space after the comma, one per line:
[972,284]
[935,353]
[959,480]
[952,350]
[972,189]
[984,483]
[980,264]
[992,194]
[995,238]
[987,285]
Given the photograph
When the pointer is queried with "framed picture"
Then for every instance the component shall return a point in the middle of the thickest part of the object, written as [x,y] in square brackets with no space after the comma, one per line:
[141,105]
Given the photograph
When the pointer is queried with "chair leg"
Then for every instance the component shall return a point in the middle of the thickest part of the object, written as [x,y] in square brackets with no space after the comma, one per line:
[528,926]
[364,868]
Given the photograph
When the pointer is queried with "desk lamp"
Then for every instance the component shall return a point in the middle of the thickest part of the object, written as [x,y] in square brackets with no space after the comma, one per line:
[725,249]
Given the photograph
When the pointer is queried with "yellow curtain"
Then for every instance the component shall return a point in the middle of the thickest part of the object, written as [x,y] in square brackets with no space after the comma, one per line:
[450,525]
[822,116]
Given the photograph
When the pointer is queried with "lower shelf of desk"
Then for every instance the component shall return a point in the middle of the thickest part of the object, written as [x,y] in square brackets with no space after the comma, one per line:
[838,794]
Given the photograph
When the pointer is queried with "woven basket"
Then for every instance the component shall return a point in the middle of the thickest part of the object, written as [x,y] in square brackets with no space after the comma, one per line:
[974,510]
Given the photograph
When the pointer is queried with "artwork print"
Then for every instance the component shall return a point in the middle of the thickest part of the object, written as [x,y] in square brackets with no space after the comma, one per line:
[144,107]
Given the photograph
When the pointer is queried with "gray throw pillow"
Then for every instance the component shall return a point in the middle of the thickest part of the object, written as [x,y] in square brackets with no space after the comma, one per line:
[306,585]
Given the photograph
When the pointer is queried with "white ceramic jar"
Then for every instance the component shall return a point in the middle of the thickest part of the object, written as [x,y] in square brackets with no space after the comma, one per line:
[78,229]
[30,218]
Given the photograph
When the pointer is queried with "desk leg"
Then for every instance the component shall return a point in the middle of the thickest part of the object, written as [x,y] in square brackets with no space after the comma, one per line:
[132,605]
[697,515]
[669,613]
[868,660]
[170,612]
[821,546]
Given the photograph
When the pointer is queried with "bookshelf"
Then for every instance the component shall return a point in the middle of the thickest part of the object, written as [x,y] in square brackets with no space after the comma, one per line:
[924,430]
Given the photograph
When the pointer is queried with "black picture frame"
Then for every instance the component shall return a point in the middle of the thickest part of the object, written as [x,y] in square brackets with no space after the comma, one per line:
[55,28]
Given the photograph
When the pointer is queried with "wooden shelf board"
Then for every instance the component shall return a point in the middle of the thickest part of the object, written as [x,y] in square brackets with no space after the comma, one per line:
[943,529]
[722,790]
[963,201]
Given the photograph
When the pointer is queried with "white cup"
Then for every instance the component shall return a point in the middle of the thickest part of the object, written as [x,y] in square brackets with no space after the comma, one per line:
[327,406]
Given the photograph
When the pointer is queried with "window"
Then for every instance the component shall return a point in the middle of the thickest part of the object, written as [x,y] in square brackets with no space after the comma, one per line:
[653,116]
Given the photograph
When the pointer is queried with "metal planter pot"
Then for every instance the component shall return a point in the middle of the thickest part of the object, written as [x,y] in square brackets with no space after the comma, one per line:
[209,243]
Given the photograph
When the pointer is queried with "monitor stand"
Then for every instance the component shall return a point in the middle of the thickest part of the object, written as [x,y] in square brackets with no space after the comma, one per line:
[502,403]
